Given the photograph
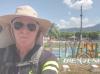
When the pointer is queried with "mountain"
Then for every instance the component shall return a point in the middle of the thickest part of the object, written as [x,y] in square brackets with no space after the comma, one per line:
[89,29]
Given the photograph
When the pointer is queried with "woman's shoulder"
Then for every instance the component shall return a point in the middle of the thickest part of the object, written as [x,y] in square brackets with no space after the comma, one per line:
[47,60]
[47,55]
[7,53]
[11,47]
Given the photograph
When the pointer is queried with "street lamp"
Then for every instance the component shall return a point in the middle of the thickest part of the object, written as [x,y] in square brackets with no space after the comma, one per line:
[81,15]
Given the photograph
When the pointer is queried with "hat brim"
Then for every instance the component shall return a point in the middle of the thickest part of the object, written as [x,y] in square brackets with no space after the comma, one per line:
[6,38]
[43,23]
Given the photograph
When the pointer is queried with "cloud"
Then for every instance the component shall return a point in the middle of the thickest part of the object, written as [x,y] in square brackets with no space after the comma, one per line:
[62,24]
[86,4]
[75,22]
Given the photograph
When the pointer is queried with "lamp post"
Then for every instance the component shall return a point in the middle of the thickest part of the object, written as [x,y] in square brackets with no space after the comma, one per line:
[81,15]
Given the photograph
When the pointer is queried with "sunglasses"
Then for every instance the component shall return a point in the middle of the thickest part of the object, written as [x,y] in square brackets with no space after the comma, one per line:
[20,25]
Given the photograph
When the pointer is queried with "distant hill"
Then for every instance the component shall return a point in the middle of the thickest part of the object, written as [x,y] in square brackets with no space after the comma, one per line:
[89,29]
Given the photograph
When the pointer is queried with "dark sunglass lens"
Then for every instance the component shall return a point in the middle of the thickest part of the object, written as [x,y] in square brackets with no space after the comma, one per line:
[18,25]
[31,27]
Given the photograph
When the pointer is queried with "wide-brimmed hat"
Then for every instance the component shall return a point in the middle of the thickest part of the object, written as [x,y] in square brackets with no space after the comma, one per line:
[28,11]
[25,10]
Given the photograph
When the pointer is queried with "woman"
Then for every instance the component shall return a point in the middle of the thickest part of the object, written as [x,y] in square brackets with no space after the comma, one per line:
[27,56]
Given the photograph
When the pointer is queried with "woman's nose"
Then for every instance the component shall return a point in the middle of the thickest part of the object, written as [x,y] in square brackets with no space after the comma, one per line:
[25,30]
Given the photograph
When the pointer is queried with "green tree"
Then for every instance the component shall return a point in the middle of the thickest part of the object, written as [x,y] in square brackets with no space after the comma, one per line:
[66,35]
[93,35]
[77,35]
[54,32]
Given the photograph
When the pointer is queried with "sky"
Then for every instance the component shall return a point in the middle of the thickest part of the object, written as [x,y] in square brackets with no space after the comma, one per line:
[64,13]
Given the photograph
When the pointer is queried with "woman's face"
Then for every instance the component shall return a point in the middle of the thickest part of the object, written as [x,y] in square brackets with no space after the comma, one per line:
[25,31]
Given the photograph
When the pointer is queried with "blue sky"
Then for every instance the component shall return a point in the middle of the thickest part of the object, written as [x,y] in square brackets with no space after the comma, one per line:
[57,11]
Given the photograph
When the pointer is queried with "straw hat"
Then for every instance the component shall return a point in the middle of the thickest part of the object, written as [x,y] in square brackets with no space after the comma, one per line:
[27,10]
[5,38]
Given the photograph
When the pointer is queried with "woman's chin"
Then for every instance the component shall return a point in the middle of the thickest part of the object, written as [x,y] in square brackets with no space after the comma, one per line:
[23,43]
